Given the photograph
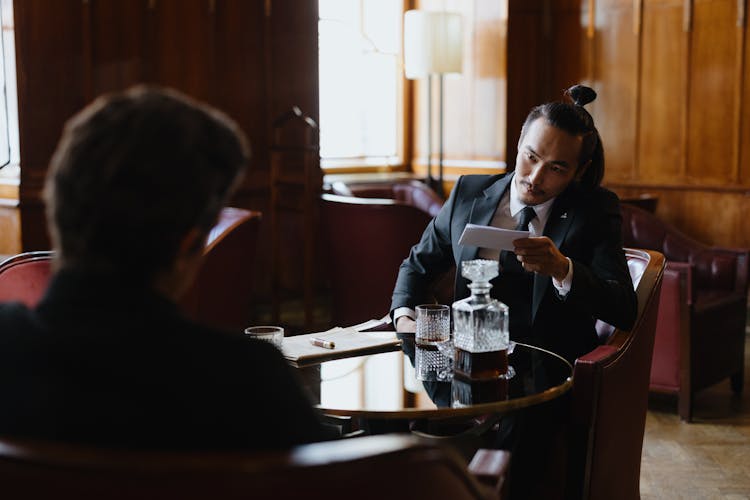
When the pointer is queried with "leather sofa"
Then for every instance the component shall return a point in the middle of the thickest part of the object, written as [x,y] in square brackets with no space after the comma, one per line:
[700,331]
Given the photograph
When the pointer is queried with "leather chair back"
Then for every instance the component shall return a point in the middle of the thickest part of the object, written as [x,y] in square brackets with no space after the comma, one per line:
[222,293]
[412,192]
[646,201]
[725,269]
[220,296]
[24,277]
[610,396]
[375,467]
[366,240]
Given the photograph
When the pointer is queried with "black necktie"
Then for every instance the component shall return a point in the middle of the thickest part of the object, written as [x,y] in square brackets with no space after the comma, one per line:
[508,259]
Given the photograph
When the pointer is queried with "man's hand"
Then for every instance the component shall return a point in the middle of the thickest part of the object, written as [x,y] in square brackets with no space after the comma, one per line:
[404,324]
[540,255]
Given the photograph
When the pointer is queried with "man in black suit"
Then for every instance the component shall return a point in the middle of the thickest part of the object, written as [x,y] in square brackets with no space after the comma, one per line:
[572,269]
[106,358]
[570,272]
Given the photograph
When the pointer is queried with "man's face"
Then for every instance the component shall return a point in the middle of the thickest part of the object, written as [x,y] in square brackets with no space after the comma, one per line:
[547,162]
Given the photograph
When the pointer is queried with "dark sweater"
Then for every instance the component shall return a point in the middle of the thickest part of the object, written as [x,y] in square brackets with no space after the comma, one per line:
[106,363]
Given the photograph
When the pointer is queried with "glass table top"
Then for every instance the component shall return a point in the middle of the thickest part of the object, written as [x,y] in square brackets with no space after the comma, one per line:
[385,385]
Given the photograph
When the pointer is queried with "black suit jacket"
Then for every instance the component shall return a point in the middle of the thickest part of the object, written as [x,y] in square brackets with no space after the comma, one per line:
[103,362]
[586,227]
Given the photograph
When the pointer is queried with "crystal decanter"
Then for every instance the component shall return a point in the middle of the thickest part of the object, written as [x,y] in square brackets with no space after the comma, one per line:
[480,326]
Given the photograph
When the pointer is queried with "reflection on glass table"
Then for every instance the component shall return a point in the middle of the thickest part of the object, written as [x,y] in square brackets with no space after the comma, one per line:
[385,386]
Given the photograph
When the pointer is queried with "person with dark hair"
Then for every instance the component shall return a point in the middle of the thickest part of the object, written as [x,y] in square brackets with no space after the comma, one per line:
[571,271]
[106,358]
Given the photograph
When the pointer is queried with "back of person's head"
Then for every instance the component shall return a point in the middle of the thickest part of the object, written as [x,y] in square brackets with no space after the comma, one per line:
[133,174]
[573,118]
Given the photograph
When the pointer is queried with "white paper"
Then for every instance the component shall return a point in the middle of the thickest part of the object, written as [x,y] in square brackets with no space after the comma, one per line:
[490,237]
[348,342]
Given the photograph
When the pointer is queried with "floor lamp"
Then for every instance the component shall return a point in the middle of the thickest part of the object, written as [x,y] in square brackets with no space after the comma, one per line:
[433,46]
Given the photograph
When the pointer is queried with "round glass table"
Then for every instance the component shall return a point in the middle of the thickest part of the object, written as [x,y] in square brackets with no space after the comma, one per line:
[385,385]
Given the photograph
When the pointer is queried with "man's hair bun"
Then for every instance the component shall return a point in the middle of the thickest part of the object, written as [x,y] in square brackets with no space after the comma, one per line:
[581,95]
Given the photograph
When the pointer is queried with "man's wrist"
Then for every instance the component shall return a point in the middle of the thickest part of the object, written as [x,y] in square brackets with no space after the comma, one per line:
[563,269]
[400,312]
[564,285]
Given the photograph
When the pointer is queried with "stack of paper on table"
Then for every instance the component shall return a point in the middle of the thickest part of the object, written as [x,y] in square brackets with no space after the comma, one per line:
[349,343]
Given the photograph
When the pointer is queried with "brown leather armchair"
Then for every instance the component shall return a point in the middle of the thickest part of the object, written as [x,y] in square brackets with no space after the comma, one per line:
[610,397]
[375,467]
[646,201]
[416,194]
[221,294]
[700,330]
[24,277]
[411,192]
[365,241]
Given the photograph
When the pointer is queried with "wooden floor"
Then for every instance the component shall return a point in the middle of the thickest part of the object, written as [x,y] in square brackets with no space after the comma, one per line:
[706,459]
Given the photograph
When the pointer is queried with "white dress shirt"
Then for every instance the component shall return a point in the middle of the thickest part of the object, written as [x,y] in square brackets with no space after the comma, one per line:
[507,217]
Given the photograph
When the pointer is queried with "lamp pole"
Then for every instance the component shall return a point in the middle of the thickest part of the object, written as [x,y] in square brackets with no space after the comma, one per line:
[430,180]
[432,46]
[440,189]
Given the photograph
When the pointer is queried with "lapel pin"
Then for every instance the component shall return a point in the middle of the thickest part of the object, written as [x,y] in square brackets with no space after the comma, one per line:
[564,216]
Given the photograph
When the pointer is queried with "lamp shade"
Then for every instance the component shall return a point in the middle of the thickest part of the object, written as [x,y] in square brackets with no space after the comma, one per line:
[433,43]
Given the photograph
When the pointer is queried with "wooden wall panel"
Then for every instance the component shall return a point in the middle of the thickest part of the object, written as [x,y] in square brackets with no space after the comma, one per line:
[294,65]
[744,165]
[50,72]
[529,72]
[689,60]
[240,58]
[114,51]
[615,78]
[663,94]
[712,146]
[689,209]
[252,58]
[180,46]
[10,230]
[566,54]
[294,73]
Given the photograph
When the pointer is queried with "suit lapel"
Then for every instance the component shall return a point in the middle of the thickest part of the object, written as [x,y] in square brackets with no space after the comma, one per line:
[558,224]
[482,210]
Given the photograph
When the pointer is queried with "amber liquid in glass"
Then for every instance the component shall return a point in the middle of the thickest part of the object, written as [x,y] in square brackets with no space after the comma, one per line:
[427,346]
[472,392]
[481,365]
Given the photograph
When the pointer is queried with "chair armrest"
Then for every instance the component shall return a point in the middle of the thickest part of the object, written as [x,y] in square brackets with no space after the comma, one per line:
[676,271]
[585,382]
[742,271]
[720,268]
[491,467]
[596,356]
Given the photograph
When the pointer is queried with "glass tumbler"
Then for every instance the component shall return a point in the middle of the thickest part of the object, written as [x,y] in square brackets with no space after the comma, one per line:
[433,330]
[272,334]
[433,323]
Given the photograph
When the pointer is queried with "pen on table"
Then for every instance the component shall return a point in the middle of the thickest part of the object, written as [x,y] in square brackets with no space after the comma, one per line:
[327,344]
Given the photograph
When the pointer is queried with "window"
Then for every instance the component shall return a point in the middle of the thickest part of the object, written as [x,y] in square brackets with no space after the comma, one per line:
[8,102]
[361,83]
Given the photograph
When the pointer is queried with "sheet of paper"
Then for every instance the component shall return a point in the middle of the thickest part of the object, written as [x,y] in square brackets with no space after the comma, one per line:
[490,237]
[348,341]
